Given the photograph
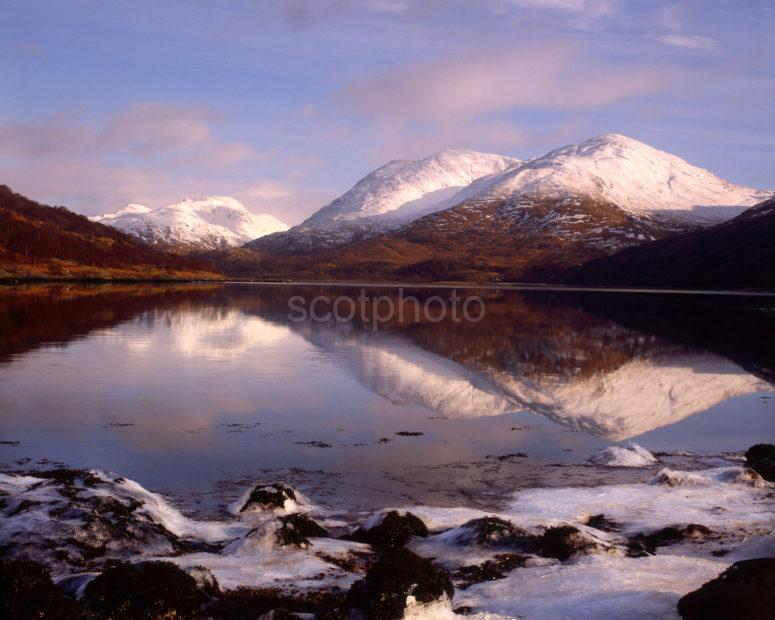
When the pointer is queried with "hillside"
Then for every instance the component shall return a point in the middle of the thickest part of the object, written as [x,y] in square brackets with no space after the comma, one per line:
[53,242]
[738,254]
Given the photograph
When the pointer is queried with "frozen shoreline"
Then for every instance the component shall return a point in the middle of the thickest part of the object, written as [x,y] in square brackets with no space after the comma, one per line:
[73,522]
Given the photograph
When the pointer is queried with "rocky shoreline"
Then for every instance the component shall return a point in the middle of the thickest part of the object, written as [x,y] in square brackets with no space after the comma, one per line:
[79,543]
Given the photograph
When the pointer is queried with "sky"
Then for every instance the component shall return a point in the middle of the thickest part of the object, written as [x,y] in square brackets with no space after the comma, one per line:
[284,105]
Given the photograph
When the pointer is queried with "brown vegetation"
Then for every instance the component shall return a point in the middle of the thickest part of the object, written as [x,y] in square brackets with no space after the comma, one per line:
[38,241]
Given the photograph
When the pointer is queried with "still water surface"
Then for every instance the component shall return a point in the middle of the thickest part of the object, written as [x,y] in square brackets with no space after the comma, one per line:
[189,389]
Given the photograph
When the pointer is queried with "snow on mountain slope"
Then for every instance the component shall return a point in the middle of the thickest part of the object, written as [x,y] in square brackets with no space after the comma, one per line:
[405,189]
[208,223]
[390,196]
[634,176]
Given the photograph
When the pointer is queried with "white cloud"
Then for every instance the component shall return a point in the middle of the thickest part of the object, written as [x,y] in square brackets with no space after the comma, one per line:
[688,41]
[590,8]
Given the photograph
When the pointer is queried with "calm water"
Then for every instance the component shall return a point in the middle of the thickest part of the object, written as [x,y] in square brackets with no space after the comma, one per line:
[192,389]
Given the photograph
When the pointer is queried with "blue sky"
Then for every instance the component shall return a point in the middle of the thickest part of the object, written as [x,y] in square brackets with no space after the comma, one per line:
[284,105]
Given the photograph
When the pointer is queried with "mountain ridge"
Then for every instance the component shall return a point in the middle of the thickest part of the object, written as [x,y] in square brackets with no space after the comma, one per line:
[210,223]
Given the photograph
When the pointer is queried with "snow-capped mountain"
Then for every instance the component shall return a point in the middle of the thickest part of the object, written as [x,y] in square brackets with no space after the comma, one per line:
[209,223]
[390,196]
[634,176]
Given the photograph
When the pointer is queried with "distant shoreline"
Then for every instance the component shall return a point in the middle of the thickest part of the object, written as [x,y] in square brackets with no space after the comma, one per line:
[516,286]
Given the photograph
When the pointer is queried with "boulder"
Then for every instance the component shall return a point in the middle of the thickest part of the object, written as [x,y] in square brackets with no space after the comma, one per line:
[761,458]
[603,523]
[647,544]
[565,541]
[745,590]
[490,570]
[268,497]
[296,529]
[147,590]
[392,530]
[399,573]
[496,533]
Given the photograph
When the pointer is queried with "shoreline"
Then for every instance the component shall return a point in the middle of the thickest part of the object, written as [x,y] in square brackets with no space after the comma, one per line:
[670,533]
[464,285]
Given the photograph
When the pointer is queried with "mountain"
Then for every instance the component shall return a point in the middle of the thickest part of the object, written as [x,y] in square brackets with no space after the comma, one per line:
[737,254]
[42,241]
[536,220]
[209,223]
[390,196]
[637,178]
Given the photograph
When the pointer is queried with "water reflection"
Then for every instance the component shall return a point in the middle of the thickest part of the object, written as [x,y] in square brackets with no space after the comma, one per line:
[614,366]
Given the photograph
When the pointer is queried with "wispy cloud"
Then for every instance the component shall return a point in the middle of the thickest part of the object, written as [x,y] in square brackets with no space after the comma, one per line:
[151,153]
[547,75]
[693,42]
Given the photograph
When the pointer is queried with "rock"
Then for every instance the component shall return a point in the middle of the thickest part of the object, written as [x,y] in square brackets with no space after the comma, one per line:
[246,603]
[565,541]
[494,532]
[490,570]
[761,458]
[393,530]
[745,590]
[26,591]
[268,497]
[382,593]
[148,590]
[296,529]
[603,523]
[647,544]
[205,580]
[628,455]
[670,478]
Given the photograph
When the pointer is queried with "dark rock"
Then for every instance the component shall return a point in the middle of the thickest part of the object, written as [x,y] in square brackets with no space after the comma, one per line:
[603,523]
[397,574]
[149,590]
[761,458]
[565,541]
[393,531]
[494,532]
[647,544]
[268,497]
[745,590]
[250,603]
[409,433]
[497,568]
[26,591]
[296,529]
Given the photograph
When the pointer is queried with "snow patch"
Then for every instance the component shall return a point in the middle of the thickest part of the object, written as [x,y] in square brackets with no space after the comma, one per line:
[628,455]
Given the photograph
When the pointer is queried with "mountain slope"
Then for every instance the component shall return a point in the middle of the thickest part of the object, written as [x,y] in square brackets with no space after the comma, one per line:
[636,177]
[737,254]
[392,195]
[41,241]
[208,223]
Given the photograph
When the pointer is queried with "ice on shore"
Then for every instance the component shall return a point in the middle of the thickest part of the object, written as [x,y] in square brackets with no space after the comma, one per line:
[74,522]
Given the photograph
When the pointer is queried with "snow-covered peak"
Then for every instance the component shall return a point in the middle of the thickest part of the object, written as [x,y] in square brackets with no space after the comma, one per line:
[213,222]
[635,176]
[403,190]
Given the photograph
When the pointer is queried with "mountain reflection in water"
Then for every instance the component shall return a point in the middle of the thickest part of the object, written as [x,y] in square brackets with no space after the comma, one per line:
[613,365]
